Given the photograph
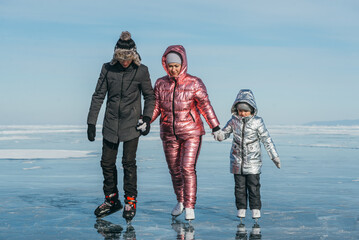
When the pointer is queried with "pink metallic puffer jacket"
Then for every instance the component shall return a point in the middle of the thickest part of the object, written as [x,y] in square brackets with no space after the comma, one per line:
[180,101]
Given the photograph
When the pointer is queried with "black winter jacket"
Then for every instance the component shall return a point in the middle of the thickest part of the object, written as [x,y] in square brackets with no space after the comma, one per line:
[123,87]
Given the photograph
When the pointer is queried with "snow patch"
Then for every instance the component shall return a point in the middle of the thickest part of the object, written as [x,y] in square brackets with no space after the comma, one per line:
[16,138]
[41,154]
[313,130]
[327,146]
[32,168]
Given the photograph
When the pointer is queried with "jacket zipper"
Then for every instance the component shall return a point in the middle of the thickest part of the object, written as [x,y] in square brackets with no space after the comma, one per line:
[191,116]
[121,94]
[173,108]
[242,145]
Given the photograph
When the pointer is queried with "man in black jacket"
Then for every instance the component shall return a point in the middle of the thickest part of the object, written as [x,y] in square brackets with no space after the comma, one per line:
[123,80]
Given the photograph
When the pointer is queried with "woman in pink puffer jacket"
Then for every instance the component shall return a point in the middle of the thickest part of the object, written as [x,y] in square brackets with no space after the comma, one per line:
[180,99]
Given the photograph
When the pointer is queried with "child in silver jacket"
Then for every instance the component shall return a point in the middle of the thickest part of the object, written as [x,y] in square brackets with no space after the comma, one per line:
[248,130]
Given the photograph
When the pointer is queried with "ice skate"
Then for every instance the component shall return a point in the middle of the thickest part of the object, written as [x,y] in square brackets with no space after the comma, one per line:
[110,205]
[256,214]
[129,211]
[189,214]
[241,214]
[177,210]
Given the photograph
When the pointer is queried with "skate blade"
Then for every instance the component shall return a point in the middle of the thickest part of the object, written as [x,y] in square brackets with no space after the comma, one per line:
[128,218]
[174,217]
[189,221]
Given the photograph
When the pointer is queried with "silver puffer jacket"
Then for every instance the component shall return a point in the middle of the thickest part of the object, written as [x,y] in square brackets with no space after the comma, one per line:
[247,132]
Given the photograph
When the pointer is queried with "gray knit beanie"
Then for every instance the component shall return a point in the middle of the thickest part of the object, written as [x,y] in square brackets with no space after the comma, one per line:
[173,57]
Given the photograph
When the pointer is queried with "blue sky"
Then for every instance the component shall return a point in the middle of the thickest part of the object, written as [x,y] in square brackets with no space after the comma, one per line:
[300,58]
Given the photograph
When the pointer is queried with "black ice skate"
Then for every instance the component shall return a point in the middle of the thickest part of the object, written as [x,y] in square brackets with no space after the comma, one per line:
[129,211]
[110,205]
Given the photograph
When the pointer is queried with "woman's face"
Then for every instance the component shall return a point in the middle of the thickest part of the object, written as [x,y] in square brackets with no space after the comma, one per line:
[174,69]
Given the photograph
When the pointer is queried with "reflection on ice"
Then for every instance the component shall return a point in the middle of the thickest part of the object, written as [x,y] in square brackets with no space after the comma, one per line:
[256,232]
[112,231]
[130,233]
[242,234]
[185,231]
[108,229]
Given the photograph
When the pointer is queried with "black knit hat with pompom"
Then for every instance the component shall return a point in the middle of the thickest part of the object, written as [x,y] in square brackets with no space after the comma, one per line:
[125,49]
[125,42]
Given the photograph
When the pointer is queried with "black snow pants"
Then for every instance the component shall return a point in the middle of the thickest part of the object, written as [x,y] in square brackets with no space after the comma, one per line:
[247,186]
[109,170]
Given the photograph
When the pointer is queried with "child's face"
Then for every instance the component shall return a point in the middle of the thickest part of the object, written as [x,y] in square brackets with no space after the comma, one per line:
[244,113]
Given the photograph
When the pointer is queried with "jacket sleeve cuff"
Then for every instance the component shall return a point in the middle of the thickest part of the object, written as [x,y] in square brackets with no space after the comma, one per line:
[215,129]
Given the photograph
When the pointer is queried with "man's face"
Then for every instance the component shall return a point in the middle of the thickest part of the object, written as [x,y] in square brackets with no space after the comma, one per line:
[125,63]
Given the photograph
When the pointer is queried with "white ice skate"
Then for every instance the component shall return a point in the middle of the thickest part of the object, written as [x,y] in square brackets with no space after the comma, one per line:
[189,214]
[241,214]
[256,213]
[177,210]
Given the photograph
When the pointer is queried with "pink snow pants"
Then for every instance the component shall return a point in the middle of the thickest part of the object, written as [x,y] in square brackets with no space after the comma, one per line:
[181,157]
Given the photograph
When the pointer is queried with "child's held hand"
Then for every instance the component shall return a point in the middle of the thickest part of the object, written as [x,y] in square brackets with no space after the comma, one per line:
[277,162]
[218,135]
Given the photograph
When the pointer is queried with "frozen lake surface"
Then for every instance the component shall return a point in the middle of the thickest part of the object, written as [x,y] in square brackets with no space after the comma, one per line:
[51,182]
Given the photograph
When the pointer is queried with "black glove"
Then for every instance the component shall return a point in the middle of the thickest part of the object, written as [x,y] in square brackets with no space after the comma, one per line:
[144,125]
[91,132]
